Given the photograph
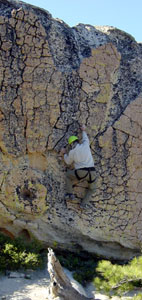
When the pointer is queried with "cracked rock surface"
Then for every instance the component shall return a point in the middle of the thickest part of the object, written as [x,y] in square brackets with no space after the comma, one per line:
[52,78]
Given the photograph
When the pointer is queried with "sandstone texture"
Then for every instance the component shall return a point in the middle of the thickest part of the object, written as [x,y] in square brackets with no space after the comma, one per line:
[52,79]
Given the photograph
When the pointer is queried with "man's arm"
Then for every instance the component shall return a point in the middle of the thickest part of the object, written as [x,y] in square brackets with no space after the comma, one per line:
[68,158]
[84,135]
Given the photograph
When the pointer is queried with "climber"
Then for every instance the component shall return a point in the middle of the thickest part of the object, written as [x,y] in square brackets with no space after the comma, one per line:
[80,155]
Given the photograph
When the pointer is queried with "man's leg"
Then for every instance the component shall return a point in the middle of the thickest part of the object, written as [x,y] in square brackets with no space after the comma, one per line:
[70,177]
[90,190]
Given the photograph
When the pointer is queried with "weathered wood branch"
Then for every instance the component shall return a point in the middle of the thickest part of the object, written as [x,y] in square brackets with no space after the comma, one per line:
[60,286]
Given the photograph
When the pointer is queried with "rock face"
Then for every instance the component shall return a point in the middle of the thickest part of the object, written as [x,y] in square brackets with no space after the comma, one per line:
[52,78]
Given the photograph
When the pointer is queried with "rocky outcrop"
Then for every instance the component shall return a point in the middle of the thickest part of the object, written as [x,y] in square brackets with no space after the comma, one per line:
[61,287]
[52,79]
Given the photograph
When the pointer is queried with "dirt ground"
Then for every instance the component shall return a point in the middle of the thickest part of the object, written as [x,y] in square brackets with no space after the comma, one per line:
[36,288]
[25,289]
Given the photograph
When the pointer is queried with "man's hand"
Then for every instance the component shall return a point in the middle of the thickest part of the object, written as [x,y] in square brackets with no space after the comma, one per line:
[63,151]
[83,127]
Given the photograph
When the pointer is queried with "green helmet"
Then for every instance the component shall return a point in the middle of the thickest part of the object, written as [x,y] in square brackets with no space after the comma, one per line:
[72,139]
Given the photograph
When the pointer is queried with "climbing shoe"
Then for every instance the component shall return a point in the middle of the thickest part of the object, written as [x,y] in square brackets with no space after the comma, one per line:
[84,205]
[69,196]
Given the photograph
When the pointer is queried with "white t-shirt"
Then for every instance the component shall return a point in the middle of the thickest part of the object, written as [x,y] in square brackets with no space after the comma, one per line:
[81,155]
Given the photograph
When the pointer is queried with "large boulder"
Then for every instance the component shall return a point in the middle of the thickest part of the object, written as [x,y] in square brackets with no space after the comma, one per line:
[52,79]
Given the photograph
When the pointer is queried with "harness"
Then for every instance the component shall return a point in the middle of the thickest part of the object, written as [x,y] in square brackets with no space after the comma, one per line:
[88,173]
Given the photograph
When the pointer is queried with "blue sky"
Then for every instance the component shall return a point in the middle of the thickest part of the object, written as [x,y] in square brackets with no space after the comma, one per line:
[123,14]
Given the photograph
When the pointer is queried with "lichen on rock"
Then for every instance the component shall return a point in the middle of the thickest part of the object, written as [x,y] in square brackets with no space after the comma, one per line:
[52,79]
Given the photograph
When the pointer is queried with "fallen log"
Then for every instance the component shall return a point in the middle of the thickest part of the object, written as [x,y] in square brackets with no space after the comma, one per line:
[60,287]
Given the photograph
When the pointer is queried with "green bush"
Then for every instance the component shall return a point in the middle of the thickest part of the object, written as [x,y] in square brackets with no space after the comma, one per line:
[119,279]
[138,297]
[82,265]
[16,254]
[109,278]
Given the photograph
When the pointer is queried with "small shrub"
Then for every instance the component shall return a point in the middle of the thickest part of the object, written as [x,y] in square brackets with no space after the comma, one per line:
[15,254]
[82,265]
[138,297]
[119,279]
